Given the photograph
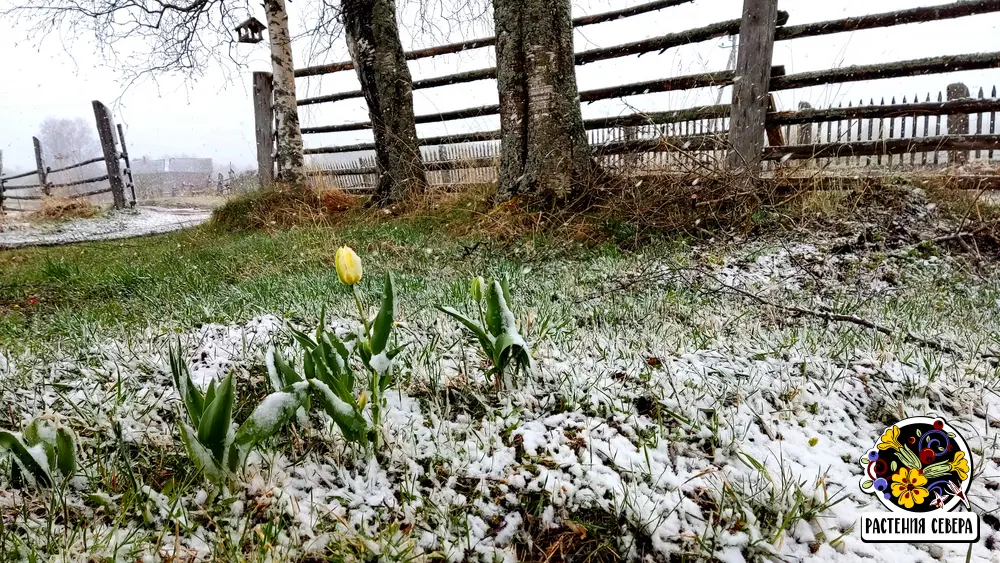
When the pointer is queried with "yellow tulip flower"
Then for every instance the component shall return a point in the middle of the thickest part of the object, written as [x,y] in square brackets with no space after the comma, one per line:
[349,268]
[476,290]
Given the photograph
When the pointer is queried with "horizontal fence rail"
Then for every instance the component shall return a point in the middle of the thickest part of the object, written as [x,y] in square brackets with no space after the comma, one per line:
[18,176]
[916,67]
[884,147]
[73,166]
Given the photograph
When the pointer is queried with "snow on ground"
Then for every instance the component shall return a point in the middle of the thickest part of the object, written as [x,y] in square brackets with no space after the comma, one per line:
[138,222]
[690,447]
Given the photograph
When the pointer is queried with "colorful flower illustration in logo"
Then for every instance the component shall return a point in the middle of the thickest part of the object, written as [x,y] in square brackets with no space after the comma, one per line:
[919,464]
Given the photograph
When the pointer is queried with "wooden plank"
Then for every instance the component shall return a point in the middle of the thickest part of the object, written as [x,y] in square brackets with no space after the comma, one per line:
[43,177]
[913,132]
[888,19]
[78,182]
[937,131]
[490,41]
[129,182]
[664,42]
[687,82]
[958,124]
[21,175]
[879,147]
[927,130]
[993,120]
[109,144]
[263,113]
[750,92]
[774,136]
[916,67]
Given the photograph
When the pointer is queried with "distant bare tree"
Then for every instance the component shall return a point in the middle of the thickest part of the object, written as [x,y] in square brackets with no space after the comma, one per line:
[544,150]
[68,140]
[149,38]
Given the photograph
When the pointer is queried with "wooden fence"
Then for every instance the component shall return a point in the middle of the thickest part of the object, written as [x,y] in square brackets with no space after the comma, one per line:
[701,134]
[118,178]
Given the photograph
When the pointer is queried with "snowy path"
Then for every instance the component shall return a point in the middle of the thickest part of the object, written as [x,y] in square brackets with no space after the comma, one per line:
[117,225]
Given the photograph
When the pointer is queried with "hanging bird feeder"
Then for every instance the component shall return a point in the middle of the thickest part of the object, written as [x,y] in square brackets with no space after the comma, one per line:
[251,31]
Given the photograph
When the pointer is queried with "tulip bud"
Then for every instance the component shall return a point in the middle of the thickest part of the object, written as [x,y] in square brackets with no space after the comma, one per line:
[363,399]
[476,290]
[348,266]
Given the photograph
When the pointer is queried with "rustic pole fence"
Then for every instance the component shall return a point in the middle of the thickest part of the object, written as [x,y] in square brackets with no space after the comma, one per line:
[750,90]
[754,120]
[263,112]
[109,145]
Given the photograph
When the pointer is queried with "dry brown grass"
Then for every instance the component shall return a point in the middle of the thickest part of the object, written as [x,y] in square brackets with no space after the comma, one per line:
[65,208]
[283,207]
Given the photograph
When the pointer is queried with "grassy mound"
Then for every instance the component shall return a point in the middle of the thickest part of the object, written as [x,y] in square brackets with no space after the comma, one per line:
[65,208]
[281,207]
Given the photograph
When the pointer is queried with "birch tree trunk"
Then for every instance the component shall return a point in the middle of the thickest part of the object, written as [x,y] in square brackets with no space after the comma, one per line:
[290,163]
[544,150]
[373,41]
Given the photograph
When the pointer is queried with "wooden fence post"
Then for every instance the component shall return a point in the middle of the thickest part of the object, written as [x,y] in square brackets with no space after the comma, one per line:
[753,75]
[958,124]
[263,113]
[804,135]
[43,174]
[109,145]
[443,156]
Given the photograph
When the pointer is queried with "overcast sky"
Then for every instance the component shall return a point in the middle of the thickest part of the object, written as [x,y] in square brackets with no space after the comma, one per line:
[213,117]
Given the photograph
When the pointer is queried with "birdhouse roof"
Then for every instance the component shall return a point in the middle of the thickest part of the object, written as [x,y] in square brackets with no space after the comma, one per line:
[253,24]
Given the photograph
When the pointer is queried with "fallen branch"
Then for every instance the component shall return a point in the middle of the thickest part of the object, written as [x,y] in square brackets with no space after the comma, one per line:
[837,317]
[650,275]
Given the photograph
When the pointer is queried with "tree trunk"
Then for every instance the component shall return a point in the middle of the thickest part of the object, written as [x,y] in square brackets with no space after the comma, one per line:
[544,150]
[373,41]
[291,167]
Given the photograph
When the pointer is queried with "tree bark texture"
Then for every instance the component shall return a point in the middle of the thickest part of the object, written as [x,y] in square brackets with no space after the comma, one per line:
[373,41]
[544,150]
[291,166]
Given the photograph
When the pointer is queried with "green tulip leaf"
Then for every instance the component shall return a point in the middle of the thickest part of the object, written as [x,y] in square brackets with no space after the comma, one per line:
[215,423]
[347,415]
[24,459]
[382,327]
[485,340]
[66,451]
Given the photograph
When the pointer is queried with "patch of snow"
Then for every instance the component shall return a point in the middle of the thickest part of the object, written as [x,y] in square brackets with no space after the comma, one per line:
[138,222]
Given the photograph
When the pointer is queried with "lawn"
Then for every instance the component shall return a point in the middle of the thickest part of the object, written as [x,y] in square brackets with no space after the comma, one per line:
[677,408]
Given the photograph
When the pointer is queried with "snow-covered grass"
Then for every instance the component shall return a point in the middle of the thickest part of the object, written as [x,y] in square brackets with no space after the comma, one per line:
[138,222]
[668,416]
